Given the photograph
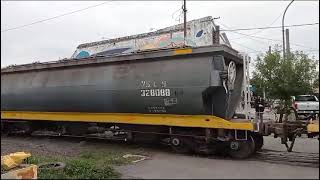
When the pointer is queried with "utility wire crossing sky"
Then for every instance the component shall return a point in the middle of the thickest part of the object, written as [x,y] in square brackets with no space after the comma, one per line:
[45,31]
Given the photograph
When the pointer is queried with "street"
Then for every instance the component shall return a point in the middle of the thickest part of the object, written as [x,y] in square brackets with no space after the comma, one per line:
[166,165]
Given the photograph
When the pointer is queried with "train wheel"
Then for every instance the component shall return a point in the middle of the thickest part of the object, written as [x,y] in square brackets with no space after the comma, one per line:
[242,149]
[258,140]
[181,144]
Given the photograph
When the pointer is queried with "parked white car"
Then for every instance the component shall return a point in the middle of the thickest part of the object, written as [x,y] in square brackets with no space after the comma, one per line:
[306,105]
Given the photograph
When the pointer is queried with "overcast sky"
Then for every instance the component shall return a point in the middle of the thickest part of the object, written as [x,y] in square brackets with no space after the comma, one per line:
[58,38]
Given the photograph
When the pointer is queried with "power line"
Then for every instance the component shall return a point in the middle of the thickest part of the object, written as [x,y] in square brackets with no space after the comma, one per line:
[257,51]
[259,37]
[173,14]
[247,47]
[259,31]
[55,17]
[178,18]
[270,27]
[248,35]
[253,50]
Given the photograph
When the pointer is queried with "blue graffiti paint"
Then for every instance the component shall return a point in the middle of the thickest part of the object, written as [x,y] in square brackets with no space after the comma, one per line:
[113,51]
[82,54]
[199,34]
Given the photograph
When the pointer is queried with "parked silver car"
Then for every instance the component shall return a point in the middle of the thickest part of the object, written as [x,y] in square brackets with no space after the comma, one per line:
[306,105]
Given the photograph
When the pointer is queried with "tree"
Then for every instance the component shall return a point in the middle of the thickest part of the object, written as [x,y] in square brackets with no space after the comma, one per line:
[316,82]
[284,78]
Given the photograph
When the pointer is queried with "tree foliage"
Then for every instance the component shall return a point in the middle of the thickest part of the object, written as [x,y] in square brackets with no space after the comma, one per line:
[316,82]
[284,78]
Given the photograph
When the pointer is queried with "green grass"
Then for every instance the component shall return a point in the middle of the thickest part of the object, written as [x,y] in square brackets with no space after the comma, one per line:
[87,165]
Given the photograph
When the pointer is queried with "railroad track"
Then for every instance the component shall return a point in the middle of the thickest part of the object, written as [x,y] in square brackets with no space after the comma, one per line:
[290,158]
[272,156]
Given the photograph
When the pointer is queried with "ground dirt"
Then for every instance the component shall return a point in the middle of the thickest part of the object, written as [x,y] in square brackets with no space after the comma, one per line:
[163,163]
[63,146]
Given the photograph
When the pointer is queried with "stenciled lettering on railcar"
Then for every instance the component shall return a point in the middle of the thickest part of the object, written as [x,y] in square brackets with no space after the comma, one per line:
[170,101]
[153,84]
[157,109]
[154,89]
[155,92]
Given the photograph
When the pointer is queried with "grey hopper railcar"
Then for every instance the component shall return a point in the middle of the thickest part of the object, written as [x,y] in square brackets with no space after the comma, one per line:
[188,81]
[183,96]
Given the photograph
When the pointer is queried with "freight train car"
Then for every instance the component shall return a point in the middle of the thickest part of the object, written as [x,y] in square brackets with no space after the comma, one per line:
[183,96]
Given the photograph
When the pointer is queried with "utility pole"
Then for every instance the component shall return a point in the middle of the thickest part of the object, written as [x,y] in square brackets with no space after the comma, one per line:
[287,42]
[283,42]
[269,51]
[184,21]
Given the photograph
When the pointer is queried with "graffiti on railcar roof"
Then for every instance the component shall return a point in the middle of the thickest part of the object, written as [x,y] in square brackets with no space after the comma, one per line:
[199,33]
